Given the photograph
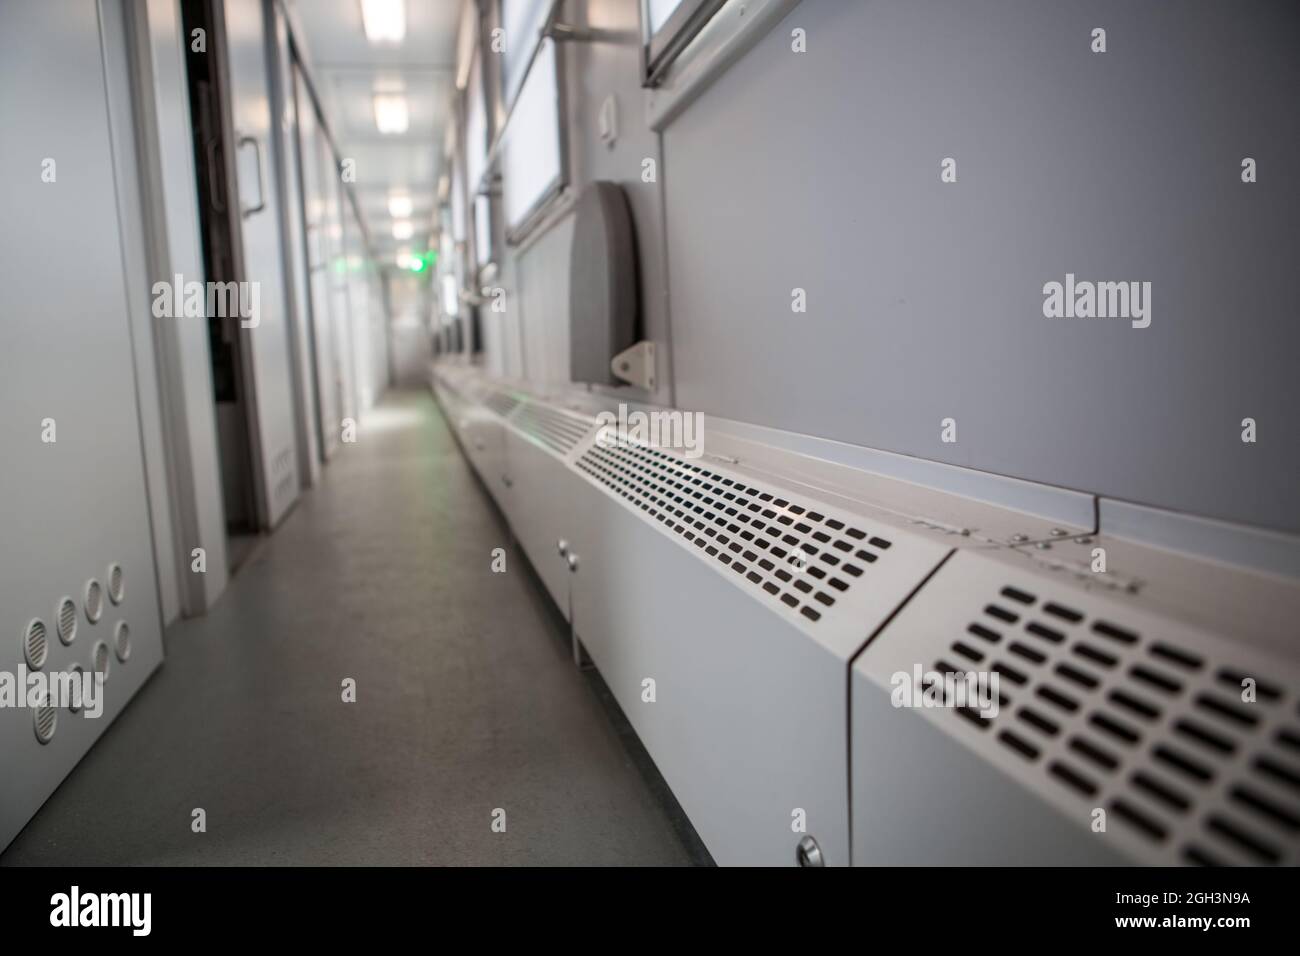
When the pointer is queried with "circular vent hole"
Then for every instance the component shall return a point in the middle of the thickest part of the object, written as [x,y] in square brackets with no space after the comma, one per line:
[74,704]
[116,587]
[122,641]
[45,718]
[67,618]
[94,601]
[36,644]
[99,659]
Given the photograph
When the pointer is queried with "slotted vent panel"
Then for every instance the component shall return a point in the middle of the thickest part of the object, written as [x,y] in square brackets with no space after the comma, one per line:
[122,641]
[36,643]
[503,403]
[45,719]
[553,428]
[94,602]
[1155,732]
[67,620]
[791,553]
[116,584]
[99,658]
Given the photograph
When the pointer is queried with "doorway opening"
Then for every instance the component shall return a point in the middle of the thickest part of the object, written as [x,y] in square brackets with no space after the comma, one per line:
[214,146]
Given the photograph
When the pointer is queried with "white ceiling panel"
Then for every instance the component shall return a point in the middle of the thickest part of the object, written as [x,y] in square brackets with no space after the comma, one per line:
[347,70]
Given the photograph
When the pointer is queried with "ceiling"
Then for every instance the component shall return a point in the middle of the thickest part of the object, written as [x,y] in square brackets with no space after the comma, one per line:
[347,70]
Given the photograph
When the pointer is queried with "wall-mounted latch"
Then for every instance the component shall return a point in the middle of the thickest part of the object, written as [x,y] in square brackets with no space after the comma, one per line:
[607,121]
[809,853]
[636,365]
[562,32]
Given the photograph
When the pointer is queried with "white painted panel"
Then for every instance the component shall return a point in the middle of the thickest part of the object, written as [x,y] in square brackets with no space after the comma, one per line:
[75,504]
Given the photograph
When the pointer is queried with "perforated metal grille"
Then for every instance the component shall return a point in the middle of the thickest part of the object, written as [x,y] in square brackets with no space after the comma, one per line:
[1154,732]
[792,553]
[45,719]
[553,428]
[67,620]
[99,658]
[503,403]
[36,643]
[122,641]
[94,601]
[116,584]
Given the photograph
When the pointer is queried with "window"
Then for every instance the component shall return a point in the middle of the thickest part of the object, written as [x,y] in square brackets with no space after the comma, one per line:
[476,141]
[667,26]
[483,230]
[532,161]
[458,216]
[522,22]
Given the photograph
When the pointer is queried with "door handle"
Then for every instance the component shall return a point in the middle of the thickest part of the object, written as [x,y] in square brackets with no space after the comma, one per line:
[261,179]
[216,177]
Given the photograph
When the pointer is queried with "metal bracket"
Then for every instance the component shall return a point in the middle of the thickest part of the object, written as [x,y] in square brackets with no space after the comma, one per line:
[560,32]
[636,365]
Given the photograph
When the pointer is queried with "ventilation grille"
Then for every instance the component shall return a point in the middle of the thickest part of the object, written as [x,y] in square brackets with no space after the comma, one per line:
[100,658]
[796,556]
[45,718]
[503,403]
[552,428]
[36,643]
[1155,733]
[94,600]
[67,620]
[122,641]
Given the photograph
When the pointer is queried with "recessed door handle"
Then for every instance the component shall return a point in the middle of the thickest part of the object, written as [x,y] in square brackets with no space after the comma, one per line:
[261,178]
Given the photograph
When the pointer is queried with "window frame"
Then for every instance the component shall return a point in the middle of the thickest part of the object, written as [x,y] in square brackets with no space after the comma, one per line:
[516,235]
[660,50]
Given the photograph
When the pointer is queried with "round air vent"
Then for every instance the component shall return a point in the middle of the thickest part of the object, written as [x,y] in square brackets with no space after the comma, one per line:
[99,659]
[122,641]
[94,601]
[116,586]
[45,718]
[74,705]
[66,617]
[36,644]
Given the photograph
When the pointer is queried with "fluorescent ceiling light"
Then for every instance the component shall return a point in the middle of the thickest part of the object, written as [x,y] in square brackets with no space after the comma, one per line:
[384,20]
[400,205]
[391,114]
[402,229]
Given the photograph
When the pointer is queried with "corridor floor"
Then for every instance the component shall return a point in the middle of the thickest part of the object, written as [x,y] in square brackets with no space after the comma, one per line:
[467,699]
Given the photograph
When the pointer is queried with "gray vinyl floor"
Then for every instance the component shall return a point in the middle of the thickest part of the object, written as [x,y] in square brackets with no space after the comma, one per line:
[467,699]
